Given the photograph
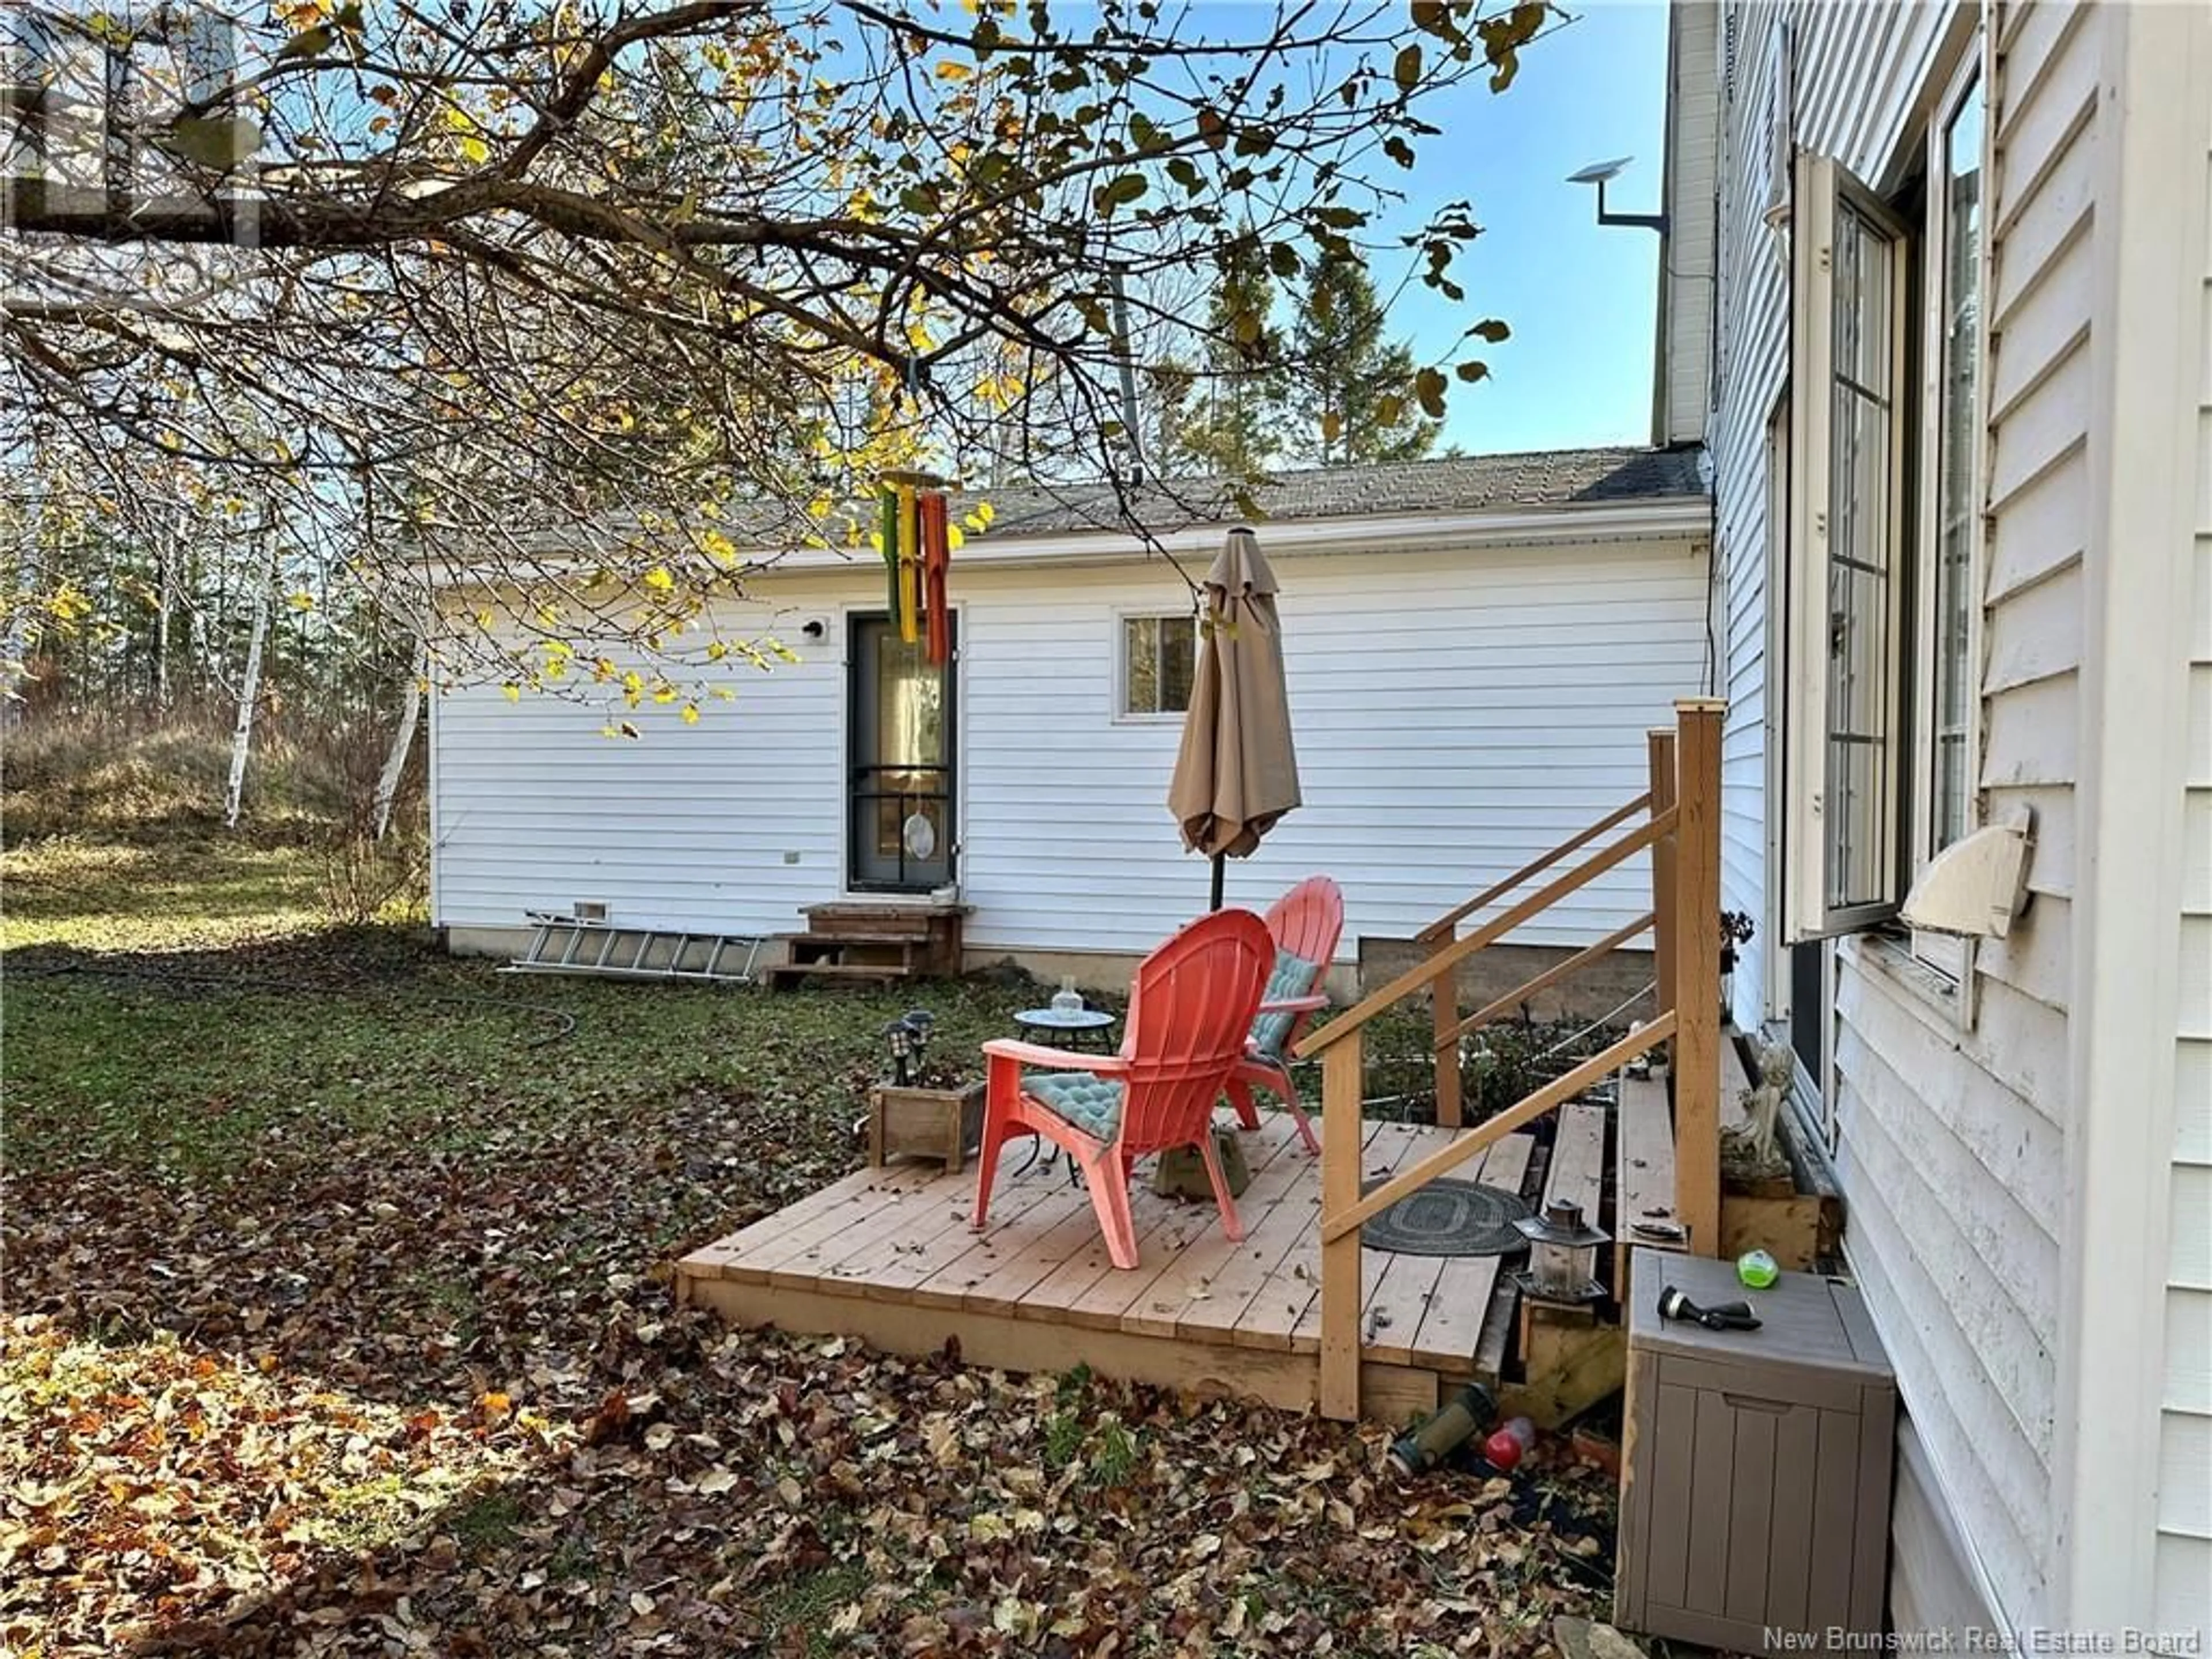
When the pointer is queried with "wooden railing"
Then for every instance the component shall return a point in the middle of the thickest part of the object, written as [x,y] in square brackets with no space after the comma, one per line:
[1680,829]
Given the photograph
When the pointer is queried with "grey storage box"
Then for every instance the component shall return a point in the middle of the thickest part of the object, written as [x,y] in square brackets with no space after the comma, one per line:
[1755,1465]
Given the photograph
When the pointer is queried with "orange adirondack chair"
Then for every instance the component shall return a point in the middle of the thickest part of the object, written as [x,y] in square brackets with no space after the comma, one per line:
[1304,925]
[1190,1011]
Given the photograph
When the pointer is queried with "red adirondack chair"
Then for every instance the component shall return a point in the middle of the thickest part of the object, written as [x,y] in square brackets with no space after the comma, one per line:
[1190,1010]
[1304,926]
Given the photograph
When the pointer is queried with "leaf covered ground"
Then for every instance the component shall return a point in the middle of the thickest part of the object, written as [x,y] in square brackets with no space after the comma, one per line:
[337,1322]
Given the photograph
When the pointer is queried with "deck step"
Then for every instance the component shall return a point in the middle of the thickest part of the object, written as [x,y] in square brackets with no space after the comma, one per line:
[791,973]
[1644,1189]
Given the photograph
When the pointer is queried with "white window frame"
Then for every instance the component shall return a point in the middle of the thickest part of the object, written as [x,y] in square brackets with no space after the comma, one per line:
[1819,184]
[1123,714]
[1949,956]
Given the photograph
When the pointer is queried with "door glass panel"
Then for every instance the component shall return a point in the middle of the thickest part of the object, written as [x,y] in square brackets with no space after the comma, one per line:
[901,763]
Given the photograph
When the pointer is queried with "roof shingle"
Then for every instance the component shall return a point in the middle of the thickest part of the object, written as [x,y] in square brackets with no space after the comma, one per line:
[1462,483]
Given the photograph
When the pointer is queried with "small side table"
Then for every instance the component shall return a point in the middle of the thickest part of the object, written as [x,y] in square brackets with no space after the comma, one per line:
[1077,1029]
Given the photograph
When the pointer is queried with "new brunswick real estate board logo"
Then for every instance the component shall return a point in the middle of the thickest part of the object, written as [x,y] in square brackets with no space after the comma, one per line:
[2029,1642]
[119,117]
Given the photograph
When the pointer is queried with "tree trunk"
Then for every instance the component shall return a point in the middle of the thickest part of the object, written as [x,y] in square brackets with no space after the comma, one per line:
[249,688]
[395,763]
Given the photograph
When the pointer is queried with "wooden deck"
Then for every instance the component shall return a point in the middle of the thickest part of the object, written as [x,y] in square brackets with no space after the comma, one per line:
[887,1255]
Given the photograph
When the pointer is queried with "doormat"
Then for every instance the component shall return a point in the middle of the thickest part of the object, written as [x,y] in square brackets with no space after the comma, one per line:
[1450,1218]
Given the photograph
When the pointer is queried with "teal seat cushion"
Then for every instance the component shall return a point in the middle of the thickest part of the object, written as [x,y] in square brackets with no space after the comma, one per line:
[1294,976]
[1091,1103]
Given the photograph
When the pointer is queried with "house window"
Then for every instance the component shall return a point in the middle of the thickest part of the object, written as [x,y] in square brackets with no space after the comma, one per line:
[1885,526]
[1955,219]
[1158,656]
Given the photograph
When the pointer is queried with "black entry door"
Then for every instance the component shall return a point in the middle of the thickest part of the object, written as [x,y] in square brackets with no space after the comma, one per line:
[900,763]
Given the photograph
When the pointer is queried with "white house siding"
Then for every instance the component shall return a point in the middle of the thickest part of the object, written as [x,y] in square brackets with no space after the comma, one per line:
[1753,346]
[2183,1567]
[1951,1143]
[533,808]
[1682,388]
[1457,713]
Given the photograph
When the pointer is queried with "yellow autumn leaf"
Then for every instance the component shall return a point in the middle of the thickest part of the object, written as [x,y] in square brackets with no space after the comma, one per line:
[514,691]
[658,580]
[690,714]
[475,151]
[302,601]
[633,681]
[717,651]
[664,693]
[951,71]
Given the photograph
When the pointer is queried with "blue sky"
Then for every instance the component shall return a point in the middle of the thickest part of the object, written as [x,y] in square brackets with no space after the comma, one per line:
[1580,299]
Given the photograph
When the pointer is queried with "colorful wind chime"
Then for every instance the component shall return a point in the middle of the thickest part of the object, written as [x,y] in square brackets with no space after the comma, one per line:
[917,550]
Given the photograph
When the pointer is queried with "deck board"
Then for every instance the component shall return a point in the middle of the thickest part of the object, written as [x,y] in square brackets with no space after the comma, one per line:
[1451,1323]
[1158,1309]
[1394,1147]
[888,1255]
[1645,1171]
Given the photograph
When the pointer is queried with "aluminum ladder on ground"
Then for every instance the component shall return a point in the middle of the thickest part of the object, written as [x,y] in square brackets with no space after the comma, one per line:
[565,945]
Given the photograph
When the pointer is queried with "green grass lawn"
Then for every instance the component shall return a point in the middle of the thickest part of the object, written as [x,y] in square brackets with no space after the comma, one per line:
[337,1322]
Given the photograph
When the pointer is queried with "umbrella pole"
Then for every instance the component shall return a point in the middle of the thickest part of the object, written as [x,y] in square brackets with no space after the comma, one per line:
[1219,860]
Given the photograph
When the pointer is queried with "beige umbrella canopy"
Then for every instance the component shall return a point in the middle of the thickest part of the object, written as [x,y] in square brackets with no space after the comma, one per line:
[1237,771]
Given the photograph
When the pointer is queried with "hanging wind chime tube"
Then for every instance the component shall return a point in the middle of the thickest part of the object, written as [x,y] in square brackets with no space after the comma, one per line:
[936,555]
[917,555]
[888,500]
[909,558]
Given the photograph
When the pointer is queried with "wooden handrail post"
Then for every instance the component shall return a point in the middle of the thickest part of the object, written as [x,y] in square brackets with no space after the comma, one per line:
[1341,1139]
[1662,868]
[1697,976]
[1444,1008]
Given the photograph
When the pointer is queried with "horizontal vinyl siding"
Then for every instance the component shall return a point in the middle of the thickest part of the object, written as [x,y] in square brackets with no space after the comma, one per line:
[1457,714]
[1952,1148]
[1684,385]
[1953,1145]
[686,826]
[1752,337]
[2183,1561]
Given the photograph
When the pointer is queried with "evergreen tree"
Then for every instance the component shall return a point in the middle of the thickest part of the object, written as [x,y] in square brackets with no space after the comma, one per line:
[1225,416]
[1350,376]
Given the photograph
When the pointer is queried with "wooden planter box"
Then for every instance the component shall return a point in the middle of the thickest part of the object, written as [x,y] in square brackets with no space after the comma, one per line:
[944,1124]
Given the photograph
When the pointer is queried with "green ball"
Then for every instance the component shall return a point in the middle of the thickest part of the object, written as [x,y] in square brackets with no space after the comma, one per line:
[1757,1269]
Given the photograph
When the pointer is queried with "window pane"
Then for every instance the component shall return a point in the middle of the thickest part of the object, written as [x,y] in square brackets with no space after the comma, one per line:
[1956,505]
[1178,663]
[1859,784]
[909,705]
[1141,657]
[1159,656]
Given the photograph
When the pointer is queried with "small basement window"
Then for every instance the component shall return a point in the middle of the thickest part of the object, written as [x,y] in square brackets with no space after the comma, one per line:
[1159,657]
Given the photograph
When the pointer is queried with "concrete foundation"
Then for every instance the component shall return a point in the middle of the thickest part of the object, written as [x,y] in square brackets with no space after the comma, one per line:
[1594,990]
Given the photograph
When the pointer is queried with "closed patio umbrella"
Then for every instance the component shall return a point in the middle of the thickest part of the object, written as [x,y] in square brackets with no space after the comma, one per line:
[1237,771]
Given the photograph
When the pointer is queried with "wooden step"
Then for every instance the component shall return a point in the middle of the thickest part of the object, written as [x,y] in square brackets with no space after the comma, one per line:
[1644,1184]
[791,973]
[1577,1175]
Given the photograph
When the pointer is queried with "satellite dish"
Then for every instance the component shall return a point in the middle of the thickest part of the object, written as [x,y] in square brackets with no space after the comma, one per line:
[1598,171]
[919,835]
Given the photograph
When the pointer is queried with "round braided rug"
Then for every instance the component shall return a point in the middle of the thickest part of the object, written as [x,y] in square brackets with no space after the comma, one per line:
[1450,1218]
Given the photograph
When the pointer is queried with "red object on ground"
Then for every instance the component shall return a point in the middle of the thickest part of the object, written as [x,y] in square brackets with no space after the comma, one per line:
[1509,1445]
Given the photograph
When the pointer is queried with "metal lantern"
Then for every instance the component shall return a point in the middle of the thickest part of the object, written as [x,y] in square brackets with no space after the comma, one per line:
[909,1036]
[1556,1271]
